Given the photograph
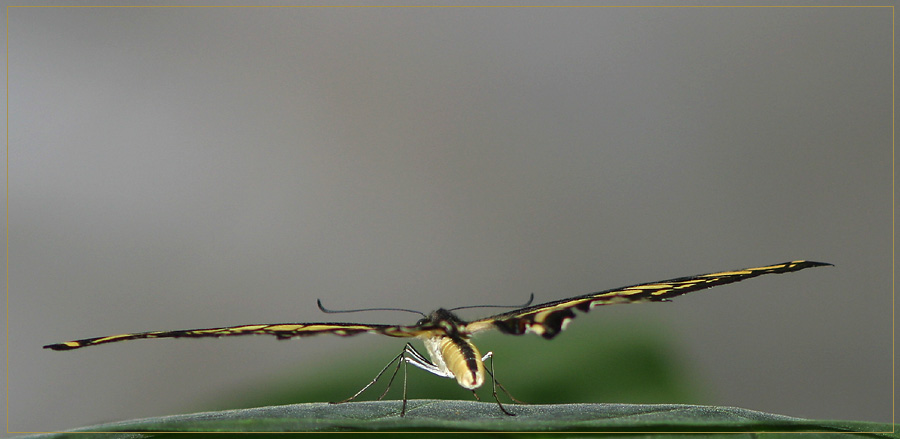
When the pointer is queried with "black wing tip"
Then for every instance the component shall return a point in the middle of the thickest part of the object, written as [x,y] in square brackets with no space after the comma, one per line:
[814,264]
[61,347]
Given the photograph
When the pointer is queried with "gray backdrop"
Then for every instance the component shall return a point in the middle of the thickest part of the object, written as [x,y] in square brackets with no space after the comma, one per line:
[182,168]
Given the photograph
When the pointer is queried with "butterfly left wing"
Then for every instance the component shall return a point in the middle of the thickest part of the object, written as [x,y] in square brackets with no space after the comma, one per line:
[549,319]
[282,331]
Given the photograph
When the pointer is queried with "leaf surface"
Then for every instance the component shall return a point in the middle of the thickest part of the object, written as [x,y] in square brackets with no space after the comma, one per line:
[655,420]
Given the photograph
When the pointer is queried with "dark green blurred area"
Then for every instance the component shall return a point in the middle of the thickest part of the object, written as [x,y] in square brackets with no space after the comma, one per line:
[600,362]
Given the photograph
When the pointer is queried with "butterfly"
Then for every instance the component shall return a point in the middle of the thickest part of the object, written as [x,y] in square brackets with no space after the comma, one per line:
[447,338]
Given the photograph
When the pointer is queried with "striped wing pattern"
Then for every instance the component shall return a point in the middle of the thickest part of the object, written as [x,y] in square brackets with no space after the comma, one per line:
[549,319]
[546,320]
[282,331]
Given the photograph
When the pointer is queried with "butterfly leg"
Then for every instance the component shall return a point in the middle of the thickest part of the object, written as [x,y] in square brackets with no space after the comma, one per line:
[398,357]
[412,356]
[391,381]
[405,374]
[409,356]
[491,373]
[495,384]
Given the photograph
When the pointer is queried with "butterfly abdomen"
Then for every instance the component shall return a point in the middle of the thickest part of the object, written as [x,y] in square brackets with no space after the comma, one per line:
[463,360]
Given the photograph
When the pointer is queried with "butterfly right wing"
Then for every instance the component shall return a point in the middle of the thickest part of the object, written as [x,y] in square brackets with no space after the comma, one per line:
[282,331]
[549,319]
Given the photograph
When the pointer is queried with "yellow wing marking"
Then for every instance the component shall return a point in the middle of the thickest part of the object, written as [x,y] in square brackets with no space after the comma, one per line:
[773,267]
[108,339]
[286,328]
[728,273]
[649,287]
[246,328]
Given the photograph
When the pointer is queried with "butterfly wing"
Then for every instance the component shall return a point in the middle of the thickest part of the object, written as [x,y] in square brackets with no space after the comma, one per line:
[549,319]
[282,331]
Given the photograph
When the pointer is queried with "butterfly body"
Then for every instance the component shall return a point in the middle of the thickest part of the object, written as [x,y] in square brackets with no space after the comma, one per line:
[457,358]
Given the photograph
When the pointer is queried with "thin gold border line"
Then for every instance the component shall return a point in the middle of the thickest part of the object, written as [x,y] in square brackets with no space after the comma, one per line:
[7,220]
[893,222]
[450,6]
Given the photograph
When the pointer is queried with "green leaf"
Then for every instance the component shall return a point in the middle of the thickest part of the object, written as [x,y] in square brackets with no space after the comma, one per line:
[467,416]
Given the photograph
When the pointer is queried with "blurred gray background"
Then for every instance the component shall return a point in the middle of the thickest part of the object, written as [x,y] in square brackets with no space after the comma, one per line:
[185,168]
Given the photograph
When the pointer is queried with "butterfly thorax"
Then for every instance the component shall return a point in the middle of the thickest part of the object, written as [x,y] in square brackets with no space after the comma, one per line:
[445,322]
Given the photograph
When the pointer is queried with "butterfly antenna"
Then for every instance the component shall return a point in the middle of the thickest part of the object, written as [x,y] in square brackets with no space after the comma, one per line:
[530,299]
[333,311]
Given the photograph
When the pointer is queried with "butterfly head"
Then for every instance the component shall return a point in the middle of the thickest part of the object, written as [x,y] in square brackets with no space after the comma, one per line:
[444,320]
